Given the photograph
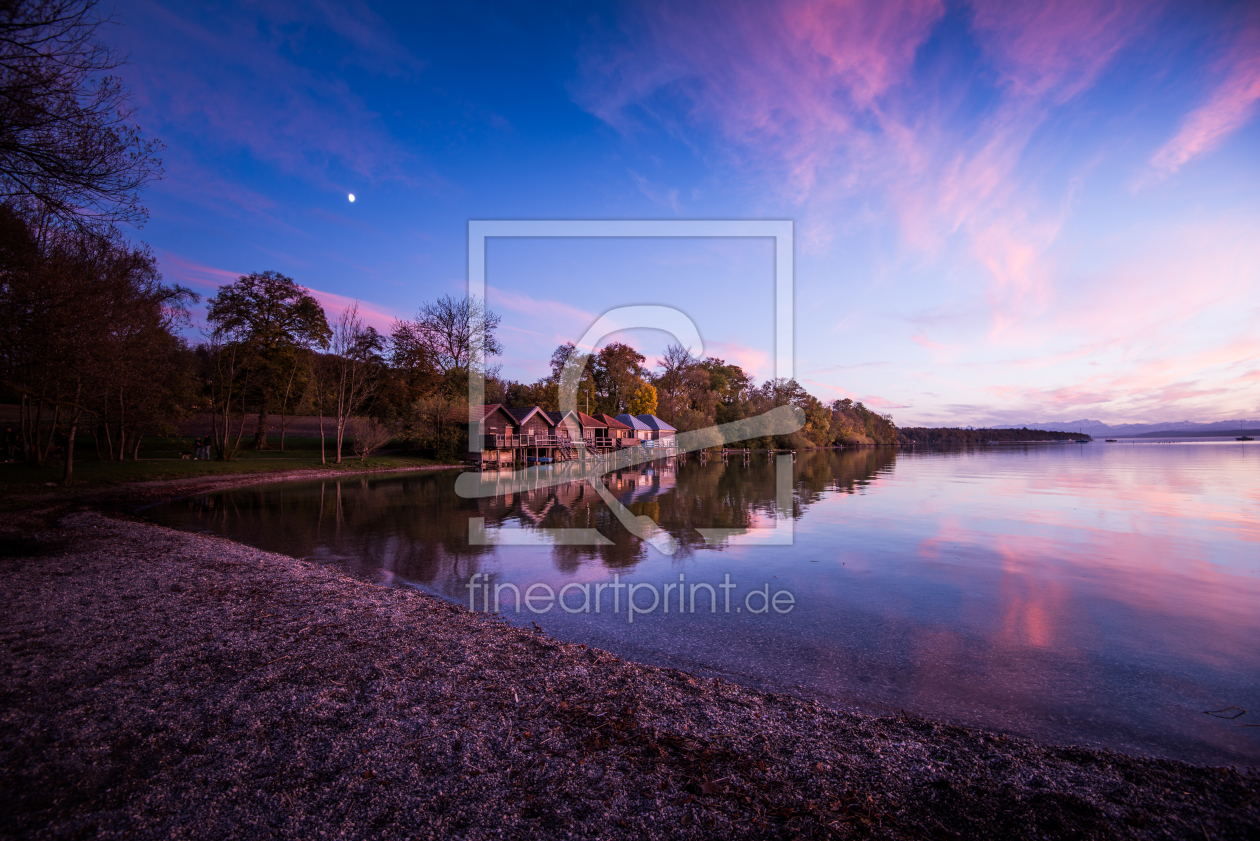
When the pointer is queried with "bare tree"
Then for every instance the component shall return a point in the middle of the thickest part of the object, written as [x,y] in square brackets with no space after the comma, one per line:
[368,435]
[453,333]
[297,391]
[228,373]
[356,359]
[68,150]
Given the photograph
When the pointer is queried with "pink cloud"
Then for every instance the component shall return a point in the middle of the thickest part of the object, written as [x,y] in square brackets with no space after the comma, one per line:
[823,98]
[211,278]
[1057,49]
[373,315]
[187,271]
[752,360]
[785,82]
[1231,104]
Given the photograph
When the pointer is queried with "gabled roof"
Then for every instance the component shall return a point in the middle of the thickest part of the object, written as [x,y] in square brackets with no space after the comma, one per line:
[556,417]
[610,422]
[633,423]
[524,413]
[480,413]
[656,423]
[569,420]
[588,421]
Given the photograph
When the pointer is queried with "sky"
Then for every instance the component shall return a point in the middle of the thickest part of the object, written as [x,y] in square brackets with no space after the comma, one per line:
[1003,212]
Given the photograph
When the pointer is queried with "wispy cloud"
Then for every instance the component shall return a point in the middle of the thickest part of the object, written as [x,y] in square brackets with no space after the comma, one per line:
[211,278]
[238,82]
[1230,105]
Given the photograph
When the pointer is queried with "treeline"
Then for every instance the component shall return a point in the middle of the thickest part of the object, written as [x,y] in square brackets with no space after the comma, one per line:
[693,393]
[924,435]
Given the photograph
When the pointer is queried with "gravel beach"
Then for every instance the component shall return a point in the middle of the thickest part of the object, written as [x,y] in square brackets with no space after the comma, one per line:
[160,685]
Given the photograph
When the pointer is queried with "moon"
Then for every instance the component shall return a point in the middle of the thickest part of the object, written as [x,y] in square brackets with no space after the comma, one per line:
[352,198]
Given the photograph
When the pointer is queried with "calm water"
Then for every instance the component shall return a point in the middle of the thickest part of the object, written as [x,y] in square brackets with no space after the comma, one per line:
[1090,594]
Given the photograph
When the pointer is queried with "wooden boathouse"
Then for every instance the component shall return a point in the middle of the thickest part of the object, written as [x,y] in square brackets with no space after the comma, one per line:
[530,435]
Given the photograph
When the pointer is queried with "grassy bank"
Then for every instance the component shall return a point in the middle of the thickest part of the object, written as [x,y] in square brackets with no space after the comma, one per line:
[163,460]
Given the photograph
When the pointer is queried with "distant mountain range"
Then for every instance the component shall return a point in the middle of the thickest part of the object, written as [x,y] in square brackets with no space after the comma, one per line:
[1099,429]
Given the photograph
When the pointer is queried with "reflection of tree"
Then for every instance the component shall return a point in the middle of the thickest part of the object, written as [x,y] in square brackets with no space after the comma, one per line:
[416,528]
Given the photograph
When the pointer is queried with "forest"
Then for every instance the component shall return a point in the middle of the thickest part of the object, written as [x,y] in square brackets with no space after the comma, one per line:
[947,436]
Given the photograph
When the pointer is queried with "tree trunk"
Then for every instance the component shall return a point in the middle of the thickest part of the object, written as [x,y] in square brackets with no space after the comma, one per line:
[24,425]
[323,459]
[37,431]
[67,475]
[122,428]
[260,434]
[285,419]
[135,453]
[52,436]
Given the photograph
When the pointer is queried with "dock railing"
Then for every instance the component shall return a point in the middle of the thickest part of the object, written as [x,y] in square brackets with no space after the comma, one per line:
[511,442]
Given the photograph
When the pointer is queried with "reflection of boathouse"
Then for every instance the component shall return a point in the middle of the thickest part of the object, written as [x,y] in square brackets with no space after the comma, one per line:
[644,482]
[529,435]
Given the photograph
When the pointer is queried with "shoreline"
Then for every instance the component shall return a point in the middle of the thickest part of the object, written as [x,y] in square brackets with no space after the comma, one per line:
[162,684]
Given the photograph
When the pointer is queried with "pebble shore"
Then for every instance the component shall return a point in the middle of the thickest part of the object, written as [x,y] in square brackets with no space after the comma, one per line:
[159,685]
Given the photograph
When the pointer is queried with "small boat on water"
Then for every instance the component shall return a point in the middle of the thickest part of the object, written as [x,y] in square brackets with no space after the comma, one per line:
[1244,438]
[1111,440]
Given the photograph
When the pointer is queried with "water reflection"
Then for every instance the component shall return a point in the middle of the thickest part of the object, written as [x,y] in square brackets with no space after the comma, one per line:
[1075,594]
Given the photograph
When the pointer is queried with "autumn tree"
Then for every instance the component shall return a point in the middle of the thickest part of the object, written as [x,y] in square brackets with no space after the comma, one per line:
[642,400]
[618,371]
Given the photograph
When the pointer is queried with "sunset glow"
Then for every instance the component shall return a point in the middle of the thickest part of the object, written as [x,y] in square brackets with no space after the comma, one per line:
[1005,212]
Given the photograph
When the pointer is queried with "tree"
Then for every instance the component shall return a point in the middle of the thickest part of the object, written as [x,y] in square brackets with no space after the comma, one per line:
[642,400]
[88,335]
[227,373]
[452,333]
[69,154]
[368,434]
[272,318]
[356,357]
[618,370]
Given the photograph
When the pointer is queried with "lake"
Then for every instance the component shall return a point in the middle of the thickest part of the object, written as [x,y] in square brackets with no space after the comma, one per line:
[1102,594]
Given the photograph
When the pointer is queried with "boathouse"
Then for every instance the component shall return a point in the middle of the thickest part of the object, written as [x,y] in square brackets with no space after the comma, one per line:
[616,429]
[638,428]
[594,431]
[661,431]
[567,425]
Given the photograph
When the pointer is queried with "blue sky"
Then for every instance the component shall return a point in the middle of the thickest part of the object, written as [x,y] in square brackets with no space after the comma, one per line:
[1004,212]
